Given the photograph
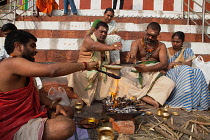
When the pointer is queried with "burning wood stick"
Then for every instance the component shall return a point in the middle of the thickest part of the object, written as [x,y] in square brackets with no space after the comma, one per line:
[197,136]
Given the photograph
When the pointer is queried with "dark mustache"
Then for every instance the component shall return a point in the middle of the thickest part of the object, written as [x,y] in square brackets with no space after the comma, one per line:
[150,41]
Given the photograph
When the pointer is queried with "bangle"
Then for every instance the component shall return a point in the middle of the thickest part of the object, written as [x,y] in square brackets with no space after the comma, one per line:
[53,102]
[85,63]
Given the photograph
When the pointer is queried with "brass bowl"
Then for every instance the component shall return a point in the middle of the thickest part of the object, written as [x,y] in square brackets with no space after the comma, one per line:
[148,113]
[91,120]
[159,112]
[105,133]
[175,113]
[166,115]
[165,109]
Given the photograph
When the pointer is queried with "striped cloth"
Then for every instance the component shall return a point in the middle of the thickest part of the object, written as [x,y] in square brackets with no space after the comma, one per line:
[191,91]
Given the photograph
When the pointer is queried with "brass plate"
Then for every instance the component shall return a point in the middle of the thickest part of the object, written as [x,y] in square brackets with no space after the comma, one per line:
[114,67]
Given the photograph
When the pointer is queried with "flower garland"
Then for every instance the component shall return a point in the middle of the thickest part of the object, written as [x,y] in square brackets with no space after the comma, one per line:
[149,52]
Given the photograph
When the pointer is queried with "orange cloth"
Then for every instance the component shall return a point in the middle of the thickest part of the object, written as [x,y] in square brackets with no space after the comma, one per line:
[46,6]
[17,107]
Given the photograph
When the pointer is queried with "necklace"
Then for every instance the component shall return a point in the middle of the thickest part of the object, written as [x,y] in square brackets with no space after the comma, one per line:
[149,52]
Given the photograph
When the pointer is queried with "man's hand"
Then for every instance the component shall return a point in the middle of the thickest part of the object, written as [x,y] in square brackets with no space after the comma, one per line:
[163,72]
[60,110]
[141,68]
[172,64]
[131,58]
[116,46]
[92,65]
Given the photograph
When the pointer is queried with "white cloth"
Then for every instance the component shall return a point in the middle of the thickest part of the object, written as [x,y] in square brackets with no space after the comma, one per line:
[159,89]
[33,130]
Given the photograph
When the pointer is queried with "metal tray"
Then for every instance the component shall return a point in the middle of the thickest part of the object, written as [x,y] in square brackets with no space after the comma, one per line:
[124,116]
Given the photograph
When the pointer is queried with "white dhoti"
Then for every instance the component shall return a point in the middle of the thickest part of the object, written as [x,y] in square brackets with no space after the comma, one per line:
[99,89]
[159,89]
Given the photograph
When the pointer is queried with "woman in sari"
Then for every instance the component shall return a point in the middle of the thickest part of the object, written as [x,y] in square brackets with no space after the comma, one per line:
[191,90]
[112,37]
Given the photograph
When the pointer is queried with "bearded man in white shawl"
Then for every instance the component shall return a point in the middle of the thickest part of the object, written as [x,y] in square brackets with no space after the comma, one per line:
[90,85]
[144,80]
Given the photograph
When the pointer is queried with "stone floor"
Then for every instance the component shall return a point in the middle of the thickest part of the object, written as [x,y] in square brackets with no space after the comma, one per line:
[141,122]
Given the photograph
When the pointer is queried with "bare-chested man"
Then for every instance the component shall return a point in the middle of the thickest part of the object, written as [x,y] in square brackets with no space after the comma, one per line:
[145,81]
[22,116]
[93,85]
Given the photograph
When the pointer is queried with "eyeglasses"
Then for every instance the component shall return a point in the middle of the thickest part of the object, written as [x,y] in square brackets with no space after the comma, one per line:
[176,41]
[149,35]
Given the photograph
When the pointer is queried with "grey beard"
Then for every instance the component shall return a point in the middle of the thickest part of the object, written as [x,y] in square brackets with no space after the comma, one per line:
[151,42]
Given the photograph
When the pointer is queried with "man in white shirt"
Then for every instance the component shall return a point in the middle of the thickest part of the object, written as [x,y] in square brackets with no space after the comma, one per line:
[6,28]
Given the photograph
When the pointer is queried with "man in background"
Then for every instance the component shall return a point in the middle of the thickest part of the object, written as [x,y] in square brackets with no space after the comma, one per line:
[6,28]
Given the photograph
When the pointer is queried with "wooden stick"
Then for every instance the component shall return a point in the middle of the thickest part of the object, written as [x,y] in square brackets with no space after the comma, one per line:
[195,129]
[199,128]
[197,136]
[184,126]
[138,128]
[206,129]
[169,130]
[172,120]
[192,131]
[159,130]
[155,125]
[202,123]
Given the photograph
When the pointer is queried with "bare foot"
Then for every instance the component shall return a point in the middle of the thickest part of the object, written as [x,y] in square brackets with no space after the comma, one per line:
[151,101]
[70,93]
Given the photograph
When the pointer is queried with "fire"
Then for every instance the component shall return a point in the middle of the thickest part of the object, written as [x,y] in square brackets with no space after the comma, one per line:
[114,91]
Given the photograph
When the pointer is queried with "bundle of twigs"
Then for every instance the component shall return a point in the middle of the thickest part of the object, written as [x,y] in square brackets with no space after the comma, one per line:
[173,132]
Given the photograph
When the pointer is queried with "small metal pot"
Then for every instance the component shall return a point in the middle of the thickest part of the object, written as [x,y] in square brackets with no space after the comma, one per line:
[105,133]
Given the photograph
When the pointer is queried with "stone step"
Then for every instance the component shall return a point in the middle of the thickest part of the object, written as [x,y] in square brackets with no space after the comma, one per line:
[75,43]
[126,35]
[136,20]
[127,26]
[72,56]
